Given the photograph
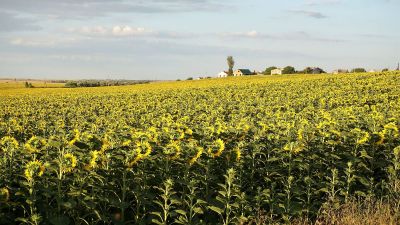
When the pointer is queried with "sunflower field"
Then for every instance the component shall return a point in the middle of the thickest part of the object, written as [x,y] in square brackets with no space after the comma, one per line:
[240,150]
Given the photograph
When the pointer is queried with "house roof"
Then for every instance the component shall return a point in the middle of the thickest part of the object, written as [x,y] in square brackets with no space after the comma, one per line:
[245,71]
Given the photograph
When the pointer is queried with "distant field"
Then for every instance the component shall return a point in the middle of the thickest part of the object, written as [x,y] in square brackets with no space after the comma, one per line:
[237,150]
[12,84]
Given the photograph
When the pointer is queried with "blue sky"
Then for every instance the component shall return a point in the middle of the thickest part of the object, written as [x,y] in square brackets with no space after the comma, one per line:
[170,39]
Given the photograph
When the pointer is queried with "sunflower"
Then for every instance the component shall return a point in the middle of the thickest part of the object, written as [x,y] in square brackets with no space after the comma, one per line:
[293,147]
[238,153]
[4,194]
[143,150]
[396,152]
[173,150]
[71,161]
[200,151]
[34,144]
[391,129]
[8,142]
[300,134]
[34,169]
[76,137]
[220,145]
[94,157]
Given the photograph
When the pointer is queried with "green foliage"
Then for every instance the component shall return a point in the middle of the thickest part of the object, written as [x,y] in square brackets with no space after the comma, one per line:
[226,205]
[102,83]
[192,207]
[71,84]
[166,202]
[28,85]
[289,70]
[358,70]
[231,64]
[268,70]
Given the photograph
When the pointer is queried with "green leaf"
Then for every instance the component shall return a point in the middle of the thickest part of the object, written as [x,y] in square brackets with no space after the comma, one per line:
[216,209]
[198,210]
[282,206]
[364,154]
[156,222]
[363,181]
[180,211]
[199,201]
[325,190]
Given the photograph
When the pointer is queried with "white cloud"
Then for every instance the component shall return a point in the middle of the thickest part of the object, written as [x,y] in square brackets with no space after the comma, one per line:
[125,31]
[40,42]
[115,31]
[129,31]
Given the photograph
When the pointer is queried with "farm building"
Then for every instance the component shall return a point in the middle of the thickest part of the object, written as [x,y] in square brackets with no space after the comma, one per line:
[277,71]
[223,74]
[317,70]
[242,72]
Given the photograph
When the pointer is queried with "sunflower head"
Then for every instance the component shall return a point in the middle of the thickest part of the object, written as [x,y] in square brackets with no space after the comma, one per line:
[7,143]
[94,158]
[361,137]
[217,148]
[391,130]
[4,194]
[173,150]
[199,152]
[76,138]
[34,144]
[34,169]
[294,147]
[70,161]
[396,152]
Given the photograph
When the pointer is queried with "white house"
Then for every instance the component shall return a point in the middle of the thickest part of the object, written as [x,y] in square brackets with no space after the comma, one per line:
[277,71]
[222,74]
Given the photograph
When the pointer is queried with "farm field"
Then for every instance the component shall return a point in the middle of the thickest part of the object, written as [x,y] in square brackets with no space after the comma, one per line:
[20,84]
[240,150]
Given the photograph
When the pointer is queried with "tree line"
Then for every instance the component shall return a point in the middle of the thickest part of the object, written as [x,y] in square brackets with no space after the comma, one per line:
[100,83]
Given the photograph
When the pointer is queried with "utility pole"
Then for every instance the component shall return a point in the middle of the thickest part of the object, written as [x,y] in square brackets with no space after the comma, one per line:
[398,66]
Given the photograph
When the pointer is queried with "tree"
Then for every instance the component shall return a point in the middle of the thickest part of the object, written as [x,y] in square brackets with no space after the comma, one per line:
[289,70]
[269,70]
[358,70]
[385,70]
[231,64]
[71,84]
[28,85]
[308,70]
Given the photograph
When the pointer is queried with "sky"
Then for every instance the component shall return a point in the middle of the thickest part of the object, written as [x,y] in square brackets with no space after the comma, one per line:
[176,39]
